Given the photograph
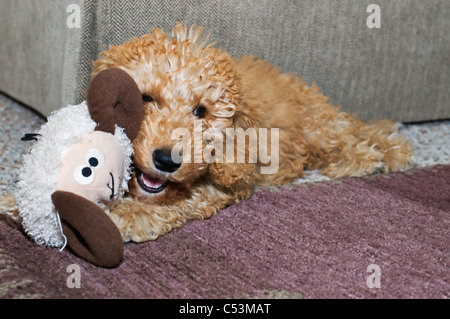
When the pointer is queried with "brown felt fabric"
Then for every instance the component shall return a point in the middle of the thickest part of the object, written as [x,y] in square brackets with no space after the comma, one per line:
[114,98]
[90,233]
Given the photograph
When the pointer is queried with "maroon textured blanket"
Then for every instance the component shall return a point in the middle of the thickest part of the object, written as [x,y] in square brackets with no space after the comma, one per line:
[301,241]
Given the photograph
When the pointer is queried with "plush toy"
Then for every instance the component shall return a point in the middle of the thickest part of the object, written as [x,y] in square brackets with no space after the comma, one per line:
[80,167]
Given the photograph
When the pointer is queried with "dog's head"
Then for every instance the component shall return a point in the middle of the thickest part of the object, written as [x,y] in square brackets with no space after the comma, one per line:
[192,96]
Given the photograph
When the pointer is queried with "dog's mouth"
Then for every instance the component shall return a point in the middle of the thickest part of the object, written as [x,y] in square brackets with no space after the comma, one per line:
[149,183]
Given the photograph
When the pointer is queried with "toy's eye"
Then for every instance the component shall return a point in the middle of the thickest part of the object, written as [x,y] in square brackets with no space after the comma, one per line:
[93,161]
[95,158]
[83,175]
[86,172]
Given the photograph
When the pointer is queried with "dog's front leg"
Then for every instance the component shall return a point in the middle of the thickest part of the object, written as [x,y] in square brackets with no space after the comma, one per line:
[139,221]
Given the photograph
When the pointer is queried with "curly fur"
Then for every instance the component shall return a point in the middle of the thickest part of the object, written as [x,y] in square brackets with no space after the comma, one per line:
[184,71]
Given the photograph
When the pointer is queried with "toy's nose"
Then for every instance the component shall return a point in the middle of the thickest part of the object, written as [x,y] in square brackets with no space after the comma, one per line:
[163,161]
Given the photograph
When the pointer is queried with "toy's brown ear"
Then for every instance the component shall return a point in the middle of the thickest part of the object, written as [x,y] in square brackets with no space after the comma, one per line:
[90,233]
[114,98]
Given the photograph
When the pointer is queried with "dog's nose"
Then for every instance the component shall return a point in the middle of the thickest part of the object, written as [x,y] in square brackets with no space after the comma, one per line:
[163,161]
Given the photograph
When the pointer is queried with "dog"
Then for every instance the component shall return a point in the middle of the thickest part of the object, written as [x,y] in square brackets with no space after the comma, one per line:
[187,82]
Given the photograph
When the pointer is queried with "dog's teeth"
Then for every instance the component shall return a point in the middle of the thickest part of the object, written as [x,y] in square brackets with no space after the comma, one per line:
[151,182]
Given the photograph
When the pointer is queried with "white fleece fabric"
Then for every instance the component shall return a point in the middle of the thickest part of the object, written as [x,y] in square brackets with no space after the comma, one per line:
[38,177]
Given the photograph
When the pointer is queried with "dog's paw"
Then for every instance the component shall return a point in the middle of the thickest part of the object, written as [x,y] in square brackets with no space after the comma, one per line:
[378,169]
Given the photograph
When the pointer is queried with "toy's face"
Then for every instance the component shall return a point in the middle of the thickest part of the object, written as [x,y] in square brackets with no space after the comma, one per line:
[93,168]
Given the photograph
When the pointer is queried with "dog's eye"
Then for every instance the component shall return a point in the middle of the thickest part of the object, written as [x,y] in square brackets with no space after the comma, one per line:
[200,112]
[147,98]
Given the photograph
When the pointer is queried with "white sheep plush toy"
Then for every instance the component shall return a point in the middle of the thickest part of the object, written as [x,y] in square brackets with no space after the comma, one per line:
[80,167]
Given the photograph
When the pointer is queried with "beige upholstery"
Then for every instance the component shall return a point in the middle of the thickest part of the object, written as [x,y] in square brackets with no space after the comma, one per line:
[400,71]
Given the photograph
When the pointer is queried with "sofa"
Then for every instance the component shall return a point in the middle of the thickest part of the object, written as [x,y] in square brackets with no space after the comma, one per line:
[399,70]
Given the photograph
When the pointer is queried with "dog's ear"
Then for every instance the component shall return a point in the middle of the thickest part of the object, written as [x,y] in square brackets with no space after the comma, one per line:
[240,167]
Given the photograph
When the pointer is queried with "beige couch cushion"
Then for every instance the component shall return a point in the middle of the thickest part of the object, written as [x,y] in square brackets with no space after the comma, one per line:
[39,55]
[399,71]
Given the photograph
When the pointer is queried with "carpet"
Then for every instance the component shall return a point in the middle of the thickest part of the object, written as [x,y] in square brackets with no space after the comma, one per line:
[301,241]
[314,238]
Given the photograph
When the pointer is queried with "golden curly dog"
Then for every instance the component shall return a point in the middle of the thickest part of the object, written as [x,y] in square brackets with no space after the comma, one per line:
[185,81]
[190,84]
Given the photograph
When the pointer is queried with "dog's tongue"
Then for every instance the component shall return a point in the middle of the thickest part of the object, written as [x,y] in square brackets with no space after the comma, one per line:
[151,182]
